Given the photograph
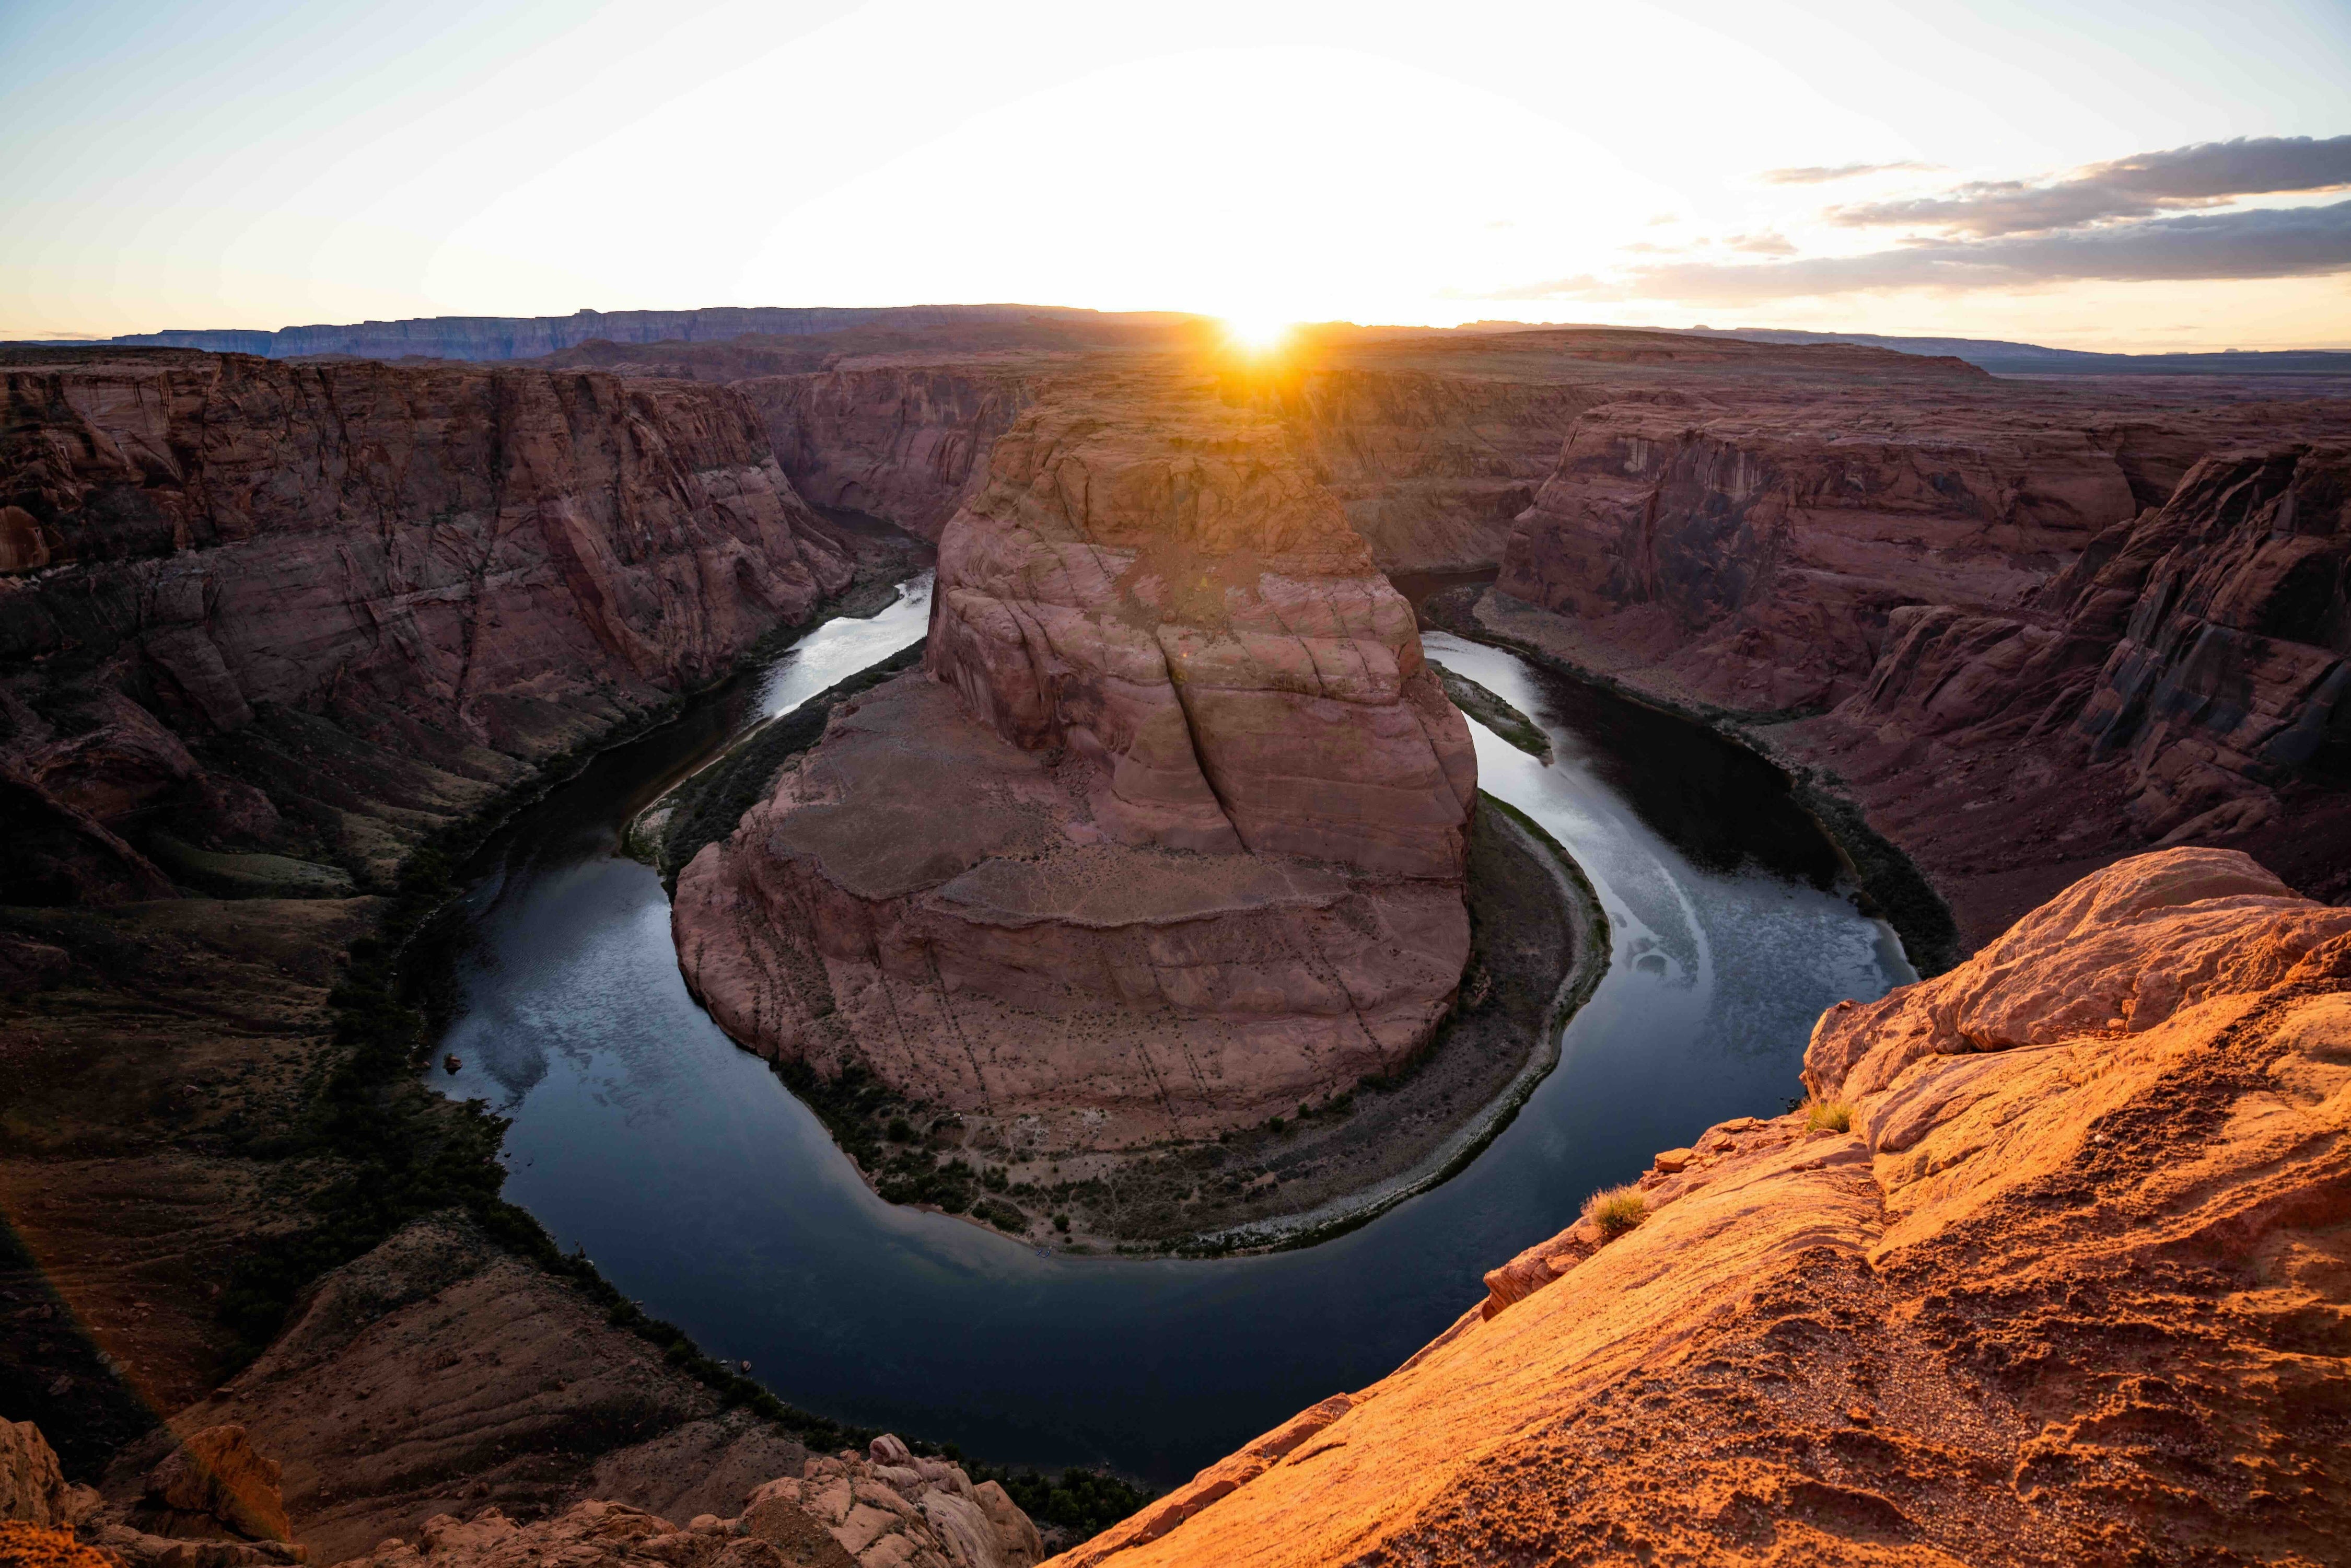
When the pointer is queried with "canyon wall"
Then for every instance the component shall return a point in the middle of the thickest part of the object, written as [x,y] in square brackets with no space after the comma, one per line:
[908,444]
[457,571]
[2053,1273]
[1431,469]
[1754,549]
[2181,680]
[1169,836]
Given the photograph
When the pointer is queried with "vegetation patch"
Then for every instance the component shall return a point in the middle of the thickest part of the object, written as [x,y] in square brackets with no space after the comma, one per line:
[1613,1210]
[1494,713]
[1827,1116]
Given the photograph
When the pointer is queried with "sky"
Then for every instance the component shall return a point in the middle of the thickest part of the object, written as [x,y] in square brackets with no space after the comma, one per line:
[2128,174]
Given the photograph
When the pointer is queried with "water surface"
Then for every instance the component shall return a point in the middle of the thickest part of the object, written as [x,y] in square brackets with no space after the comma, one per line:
[702,1188]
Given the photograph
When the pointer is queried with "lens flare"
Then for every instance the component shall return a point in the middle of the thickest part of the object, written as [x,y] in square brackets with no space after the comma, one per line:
[1257,334]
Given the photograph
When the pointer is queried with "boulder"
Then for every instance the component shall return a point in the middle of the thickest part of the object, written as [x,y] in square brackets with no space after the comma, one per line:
[32,1485]
[217,1476]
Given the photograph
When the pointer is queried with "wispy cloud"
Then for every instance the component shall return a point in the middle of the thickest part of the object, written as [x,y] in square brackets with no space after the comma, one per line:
[2211,173]
[2270,242]
[1822,174]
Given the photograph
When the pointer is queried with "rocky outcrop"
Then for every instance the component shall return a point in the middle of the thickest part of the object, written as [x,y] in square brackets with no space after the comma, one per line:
[214,1503]
[215,1481]
[885,1509]
[1173,837]
[458,571]
[2048,1273]
[439,1372]
[32,1486]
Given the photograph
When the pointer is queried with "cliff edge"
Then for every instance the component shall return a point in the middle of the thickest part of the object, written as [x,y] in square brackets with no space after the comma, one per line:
[2055,1268]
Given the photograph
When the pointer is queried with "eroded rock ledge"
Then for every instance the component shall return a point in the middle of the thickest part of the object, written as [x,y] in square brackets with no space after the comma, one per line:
[2070,1289]
[1170,836]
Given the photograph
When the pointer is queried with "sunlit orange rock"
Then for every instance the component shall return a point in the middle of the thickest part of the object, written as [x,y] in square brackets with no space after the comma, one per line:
[2051,1301]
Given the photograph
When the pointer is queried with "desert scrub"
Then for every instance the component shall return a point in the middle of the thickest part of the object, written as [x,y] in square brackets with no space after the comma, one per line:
[1827,1116]
[1613,1210]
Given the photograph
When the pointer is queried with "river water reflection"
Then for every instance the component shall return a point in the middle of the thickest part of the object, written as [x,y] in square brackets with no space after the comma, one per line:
[702,1188]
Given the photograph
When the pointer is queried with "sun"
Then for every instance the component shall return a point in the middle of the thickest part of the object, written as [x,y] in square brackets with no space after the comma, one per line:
[1257,334]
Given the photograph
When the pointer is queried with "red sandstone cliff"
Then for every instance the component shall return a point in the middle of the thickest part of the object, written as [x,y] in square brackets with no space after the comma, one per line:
[1750,544]
[1171,838]
[457,570]
[907,443]
[2181,680]
[2070,1291]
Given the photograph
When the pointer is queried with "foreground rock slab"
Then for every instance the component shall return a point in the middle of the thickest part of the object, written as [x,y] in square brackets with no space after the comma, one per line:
[2050,1299]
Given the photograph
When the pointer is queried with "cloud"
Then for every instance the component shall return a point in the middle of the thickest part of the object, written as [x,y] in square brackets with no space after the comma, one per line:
[2208,174]
[2269,242]
[1821,175]
[1761,244]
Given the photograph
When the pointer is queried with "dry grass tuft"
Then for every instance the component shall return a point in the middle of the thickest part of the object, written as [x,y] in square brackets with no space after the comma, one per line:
[1613,1210]
[1827,1116]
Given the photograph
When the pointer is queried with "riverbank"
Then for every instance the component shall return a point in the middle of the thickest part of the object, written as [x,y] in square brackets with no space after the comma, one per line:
[1539,944]
[1892,885]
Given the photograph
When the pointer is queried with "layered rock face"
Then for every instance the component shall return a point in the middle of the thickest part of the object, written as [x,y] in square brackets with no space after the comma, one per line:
[1754,549]
[456,569]
[2068,1291]
[2180,680]
[1763,549]
[905,442]
[1171,838]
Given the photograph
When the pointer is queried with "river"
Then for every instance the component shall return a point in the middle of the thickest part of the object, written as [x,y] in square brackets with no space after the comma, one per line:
[702,1188]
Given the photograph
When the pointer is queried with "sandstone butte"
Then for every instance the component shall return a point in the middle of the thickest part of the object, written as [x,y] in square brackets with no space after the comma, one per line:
[1167,836]
[2072,1289]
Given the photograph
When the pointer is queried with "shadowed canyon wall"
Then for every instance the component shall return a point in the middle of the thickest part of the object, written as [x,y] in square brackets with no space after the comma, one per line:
[264,629]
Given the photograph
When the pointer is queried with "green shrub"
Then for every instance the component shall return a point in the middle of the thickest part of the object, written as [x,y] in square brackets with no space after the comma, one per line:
[1613,1210]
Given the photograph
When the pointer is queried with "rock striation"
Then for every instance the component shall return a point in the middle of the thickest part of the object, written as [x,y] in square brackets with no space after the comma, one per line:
[456,570]
[2065,1291]
[1172,837]
[2181,680]
[1754,545]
